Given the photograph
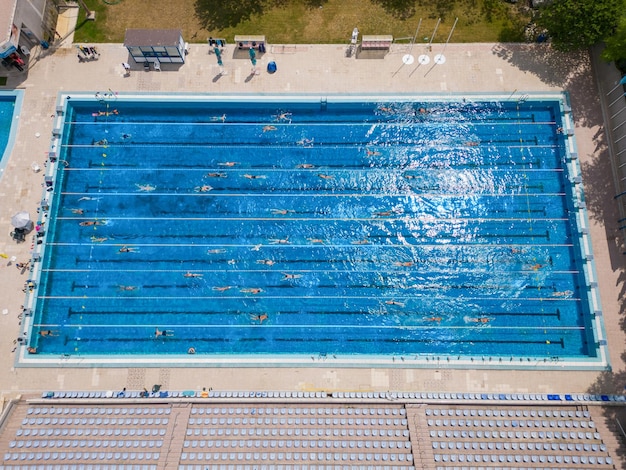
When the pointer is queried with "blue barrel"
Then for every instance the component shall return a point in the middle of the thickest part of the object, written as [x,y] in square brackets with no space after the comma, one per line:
[271,67]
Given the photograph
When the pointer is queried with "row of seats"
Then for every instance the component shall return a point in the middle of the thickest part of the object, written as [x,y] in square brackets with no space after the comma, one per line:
[344,395]
[66,466]
[507,413]
[336,444]
[299,421]
[47,456]
[499,423]
[284,467]
[525,458]
[300,411]
[95,421]
[63,432]
[514,435]
[555,447]
[125,410]
[84,443]
[366,432]
[298,456]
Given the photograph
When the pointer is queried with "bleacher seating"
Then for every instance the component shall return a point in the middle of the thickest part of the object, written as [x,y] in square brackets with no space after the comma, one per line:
[238,431]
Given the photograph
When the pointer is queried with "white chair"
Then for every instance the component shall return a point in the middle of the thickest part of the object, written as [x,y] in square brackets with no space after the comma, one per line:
[157,66]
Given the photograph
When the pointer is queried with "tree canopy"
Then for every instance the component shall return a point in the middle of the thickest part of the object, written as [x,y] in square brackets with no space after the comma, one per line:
[576,24]
[616,43]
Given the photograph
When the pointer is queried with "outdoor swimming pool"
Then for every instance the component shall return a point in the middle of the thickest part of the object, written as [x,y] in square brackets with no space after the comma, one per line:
[10,105]
[307,230]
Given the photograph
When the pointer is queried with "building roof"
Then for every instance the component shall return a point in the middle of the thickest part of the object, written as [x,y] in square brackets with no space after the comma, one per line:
[152,37]
[7,13]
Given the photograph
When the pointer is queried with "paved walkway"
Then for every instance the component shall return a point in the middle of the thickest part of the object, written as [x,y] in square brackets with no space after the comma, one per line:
[320,69]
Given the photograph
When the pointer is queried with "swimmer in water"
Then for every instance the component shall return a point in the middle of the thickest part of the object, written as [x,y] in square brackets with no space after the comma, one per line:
[565,293]
[89,223]
[394,302]
[229,164]
[101,142]
[305,165]
[382,214]
[290,276]
[127,288]
[203,189]
[471,143]
[404,264]
[256,248]
[251,290]
[315,240]
[536,267]
[99,239]
[372,153]
[87,198]
[326,177]
[281,211]
[305,141]
[434,319]
[216,251]
[269,128]
[260,318]
[283,117]
[219,118]
[190,274]
[365,241]
[279,241]
[222,288]
[126,249]
[267,262]
[480,320]
[385,109]
[163,333]
[254,177]
[215,175]
[145,187]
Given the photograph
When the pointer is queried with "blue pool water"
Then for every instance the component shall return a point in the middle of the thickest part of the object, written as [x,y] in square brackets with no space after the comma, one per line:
[313,228]
[10,103]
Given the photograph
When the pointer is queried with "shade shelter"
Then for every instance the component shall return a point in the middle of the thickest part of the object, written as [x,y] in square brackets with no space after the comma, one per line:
[155,45]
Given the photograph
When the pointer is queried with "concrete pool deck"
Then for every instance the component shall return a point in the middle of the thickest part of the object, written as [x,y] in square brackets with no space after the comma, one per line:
[320,69]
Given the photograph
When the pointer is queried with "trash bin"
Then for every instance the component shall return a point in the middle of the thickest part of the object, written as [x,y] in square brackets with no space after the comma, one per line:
[271,67]
[45,44]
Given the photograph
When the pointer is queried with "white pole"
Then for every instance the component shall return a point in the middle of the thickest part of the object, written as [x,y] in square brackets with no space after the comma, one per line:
[450,35]
[415,35]
[433,36]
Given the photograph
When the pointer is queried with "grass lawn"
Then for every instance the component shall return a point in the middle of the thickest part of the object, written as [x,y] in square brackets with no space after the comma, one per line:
[306,21]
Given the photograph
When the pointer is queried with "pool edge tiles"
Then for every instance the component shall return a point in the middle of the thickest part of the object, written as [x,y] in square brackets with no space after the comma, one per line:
[18,96]
[361,361]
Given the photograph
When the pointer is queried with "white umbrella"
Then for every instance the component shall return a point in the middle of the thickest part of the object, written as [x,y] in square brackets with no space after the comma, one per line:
[22,220]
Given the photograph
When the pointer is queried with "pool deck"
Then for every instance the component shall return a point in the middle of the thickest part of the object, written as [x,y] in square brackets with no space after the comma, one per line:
[320,69]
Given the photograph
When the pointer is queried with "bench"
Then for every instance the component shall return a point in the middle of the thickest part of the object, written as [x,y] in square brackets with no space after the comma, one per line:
[251,42]
[376,42]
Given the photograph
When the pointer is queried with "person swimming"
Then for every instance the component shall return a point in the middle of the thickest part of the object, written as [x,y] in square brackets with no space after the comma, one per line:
[145,187]
[87,198]
[394,302]
[216,175]
[326,177]
[229,164]
[269,128]
[251,290]
[190,274]
[283,117]
[260,318]
[364,241]
[222,288]
[281,211]
[306,165]
[203,189]
[372,153]
[89,223]
[99,239]
[216,251]
[254,177]
[127,288]
[163,333]
[266,262]
[305,141]
[126,249]
[77,211]
[279,241]
[315,240]
[291,276]
[404,264]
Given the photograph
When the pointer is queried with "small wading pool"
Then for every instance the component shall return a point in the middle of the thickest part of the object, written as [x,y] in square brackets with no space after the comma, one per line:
[289,230]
